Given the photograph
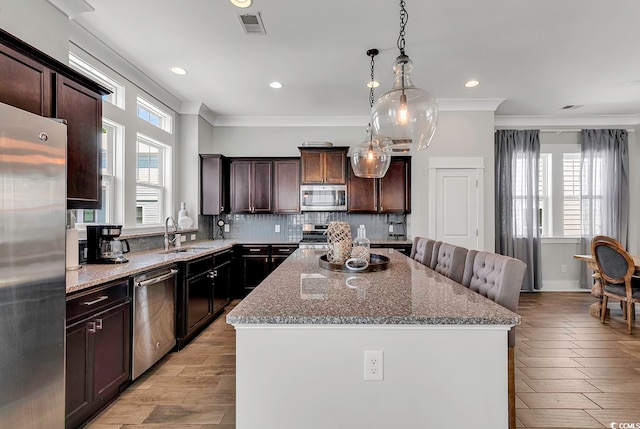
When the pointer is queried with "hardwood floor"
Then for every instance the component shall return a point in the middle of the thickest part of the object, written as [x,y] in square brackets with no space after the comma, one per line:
[571,372]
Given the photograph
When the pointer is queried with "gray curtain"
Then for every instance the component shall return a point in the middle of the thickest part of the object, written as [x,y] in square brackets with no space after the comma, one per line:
[604,189]
[517,200]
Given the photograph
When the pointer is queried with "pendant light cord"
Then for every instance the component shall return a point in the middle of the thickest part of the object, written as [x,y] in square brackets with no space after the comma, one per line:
[372,53]
[404,17]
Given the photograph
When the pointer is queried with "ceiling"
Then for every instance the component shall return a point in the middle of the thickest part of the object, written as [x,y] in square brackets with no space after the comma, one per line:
[537,55]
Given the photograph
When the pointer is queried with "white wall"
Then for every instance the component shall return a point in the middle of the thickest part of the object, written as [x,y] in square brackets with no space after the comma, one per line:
[38,23]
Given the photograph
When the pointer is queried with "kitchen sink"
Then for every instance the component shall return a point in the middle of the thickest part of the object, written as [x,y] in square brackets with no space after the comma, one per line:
[178,250]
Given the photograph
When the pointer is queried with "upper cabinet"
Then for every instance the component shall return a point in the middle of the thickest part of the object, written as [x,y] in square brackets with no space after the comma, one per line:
[37,83]
[390,194]
[251,186]
[324,165]
[286,185]
[214,185]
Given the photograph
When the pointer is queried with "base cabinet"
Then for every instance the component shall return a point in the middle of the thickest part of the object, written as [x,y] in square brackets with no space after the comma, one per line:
[256,263]
[203,292]
[98,353]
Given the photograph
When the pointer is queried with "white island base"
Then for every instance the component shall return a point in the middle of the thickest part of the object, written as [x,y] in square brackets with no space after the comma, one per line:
[312,377]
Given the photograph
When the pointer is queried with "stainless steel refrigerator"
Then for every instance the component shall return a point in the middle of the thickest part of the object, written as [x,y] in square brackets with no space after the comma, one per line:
[32,270]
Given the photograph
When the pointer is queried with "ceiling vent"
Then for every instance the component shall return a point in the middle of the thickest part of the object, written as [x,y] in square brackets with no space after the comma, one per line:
[252,24]
[571,106]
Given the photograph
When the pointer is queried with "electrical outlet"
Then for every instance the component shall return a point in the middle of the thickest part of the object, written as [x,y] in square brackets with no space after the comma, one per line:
[563,268]
[390,228]
[277,228]
[193,237]
[226,228]
[373,365]
[183,238]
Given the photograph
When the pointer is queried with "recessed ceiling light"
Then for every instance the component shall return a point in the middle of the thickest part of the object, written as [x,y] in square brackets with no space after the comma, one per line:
[241,3]
[373,84]
[276,85]
[472,83]
[179,70]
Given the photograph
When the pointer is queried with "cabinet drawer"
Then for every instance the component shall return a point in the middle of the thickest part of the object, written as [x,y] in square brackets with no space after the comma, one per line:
[96,299]
[198,266]
[262,250]
[283,249]
[222,257]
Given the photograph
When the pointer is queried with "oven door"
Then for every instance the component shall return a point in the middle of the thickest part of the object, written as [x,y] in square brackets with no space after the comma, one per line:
[323,198]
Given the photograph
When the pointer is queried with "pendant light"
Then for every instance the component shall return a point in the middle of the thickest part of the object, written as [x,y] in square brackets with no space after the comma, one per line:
[406,115]
[370,159]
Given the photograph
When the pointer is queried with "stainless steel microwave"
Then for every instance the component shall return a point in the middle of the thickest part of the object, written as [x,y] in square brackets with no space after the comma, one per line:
[323,198]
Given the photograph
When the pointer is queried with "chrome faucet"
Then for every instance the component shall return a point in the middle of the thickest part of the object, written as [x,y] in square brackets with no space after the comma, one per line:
[174,231]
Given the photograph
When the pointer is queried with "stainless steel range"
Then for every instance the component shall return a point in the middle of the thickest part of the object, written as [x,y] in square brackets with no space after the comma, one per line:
[314,237]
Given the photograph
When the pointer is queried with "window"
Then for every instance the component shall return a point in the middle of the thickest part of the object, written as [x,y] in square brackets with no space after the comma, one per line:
[571,194]
[521,187]
[111,137]
[150,176]
[117,90]
[154,115]
[544,193]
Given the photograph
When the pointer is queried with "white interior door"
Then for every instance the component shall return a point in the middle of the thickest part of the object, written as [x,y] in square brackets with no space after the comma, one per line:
[456,206]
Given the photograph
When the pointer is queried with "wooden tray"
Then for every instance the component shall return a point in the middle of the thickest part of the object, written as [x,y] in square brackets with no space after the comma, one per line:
[377,263]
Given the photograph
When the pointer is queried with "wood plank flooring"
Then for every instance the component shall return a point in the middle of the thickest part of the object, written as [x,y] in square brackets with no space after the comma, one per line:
[571,372]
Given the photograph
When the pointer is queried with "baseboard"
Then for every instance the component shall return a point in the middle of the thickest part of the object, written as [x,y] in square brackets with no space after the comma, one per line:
[562,286]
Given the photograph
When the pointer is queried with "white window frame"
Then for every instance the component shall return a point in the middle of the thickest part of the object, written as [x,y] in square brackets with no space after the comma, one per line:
[571,192]
[545,202]
[164,162]
[113,133]
[166,119]
[117,89]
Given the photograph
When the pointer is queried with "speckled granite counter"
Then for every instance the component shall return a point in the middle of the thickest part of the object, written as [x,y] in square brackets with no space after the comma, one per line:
[405,347]
[300,292]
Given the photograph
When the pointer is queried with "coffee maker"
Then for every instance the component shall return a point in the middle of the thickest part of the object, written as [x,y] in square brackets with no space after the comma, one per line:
[104,246]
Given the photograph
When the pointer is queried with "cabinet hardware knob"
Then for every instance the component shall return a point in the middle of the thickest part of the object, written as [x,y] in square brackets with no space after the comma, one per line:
[92,327]
[98,324]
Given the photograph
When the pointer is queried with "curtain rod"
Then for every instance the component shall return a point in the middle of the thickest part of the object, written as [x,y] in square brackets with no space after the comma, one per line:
[576,130]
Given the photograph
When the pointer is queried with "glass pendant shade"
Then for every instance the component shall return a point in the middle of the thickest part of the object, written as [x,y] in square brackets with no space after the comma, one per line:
[369,159]
[406,115]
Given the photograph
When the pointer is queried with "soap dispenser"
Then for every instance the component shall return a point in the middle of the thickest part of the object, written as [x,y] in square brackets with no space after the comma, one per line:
[361,245]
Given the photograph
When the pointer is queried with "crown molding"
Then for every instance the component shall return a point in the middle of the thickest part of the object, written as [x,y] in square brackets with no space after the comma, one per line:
[568,121]
[199,109]
[72,8]
[444,105]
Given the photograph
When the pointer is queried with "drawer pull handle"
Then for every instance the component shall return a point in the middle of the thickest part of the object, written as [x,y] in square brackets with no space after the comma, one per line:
[95,301]
[283,250]
[254,250]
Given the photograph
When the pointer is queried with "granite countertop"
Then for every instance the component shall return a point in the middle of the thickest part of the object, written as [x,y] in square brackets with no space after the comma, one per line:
[408,293]
[95,274]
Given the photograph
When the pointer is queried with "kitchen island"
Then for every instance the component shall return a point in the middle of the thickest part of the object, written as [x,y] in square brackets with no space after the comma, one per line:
[302,334]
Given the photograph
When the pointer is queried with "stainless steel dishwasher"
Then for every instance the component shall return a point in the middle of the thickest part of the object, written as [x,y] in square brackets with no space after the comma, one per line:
[154,321]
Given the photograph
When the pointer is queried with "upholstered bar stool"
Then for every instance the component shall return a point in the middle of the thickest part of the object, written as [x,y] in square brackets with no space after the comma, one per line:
[499,278]
[422,249]
[450,261]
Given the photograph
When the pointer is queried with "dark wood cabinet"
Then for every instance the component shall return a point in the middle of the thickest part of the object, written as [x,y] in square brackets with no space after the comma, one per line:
[404,248]
[255,267]
[251,186]
[390,194]
[199,294]
[324,165]
[98,355]
[35,82]
[203,292]
[25,83]
[286,185]
[280,252]
[214,185]
[82,109]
